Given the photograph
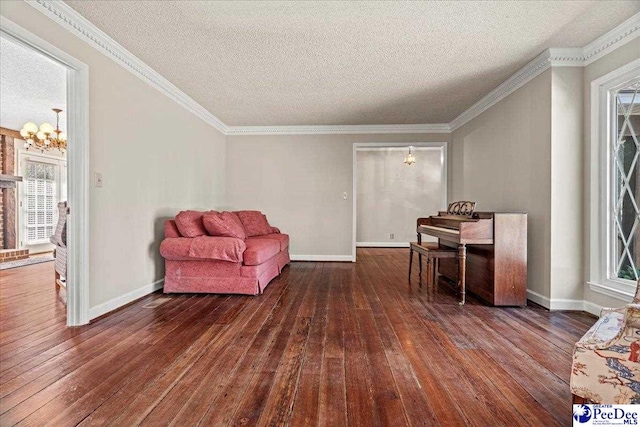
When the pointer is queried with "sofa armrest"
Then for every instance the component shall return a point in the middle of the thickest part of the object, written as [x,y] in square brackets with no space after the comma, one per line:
[632,316]
[175,248]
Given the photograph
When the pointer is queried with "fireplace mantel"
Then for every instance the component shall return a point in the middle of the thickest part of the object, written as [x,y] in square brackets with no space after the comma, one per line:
[9,181]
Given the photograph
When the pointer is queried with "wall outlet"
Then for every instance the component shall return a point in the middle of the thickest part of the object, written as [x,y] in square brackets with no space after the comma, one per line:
[392,236]
[345,195]
[97,179]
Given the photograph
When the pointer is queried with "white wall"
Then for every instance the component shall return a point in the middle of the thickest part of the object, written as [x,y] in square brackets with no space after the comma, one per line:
[298,182]
[502,160]
[566,281]
[156,159]
[391,194]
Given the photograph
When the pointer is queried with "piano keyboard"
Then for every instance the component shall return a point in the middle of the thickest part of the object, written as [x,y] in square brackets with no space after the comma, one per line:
[440,229]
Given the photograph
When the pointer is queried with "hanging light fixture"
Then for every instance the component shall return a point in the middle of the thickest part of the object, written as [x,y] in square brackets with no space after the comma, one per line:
[45,138]
[409,159]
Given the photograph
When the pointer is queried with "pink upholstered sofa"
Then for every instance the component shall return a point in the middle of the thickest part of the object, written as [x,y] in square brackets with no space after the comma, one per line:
[222,252]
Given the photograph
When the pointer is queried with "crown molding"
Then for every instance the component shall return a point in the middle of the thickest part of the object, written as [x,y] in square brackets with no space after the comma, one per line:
[335,130]
[527,73]
[75,23]
[566,57]
[622,34]
[79,26]
[554,57]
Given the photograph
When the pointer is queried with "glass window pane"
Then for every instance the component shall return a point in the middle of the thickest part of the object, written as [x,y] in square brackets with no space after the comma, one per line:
[40,206]
[626,188]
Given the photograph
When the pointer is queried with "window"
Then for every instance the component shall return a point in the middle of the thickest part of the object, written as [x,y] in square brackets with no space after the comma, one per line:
[625,212]
[614,186]
[40,201]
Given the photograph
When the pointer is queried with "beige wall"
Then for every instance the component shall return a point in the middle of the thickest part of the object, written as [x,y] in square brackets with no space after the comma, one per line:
[566,282]
[298,181]
[156,158]
[529,152]
[502,160]
[614,60]
[391,195]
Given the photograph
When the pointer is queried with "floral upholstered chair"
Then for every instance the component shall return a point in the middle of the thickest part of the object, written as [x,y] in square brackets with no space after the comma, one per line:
[606,367]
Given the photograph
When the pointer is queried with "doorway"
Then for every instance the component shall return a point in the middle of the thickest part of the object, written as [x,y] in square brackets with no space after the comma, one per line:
[76,75]
[389,194]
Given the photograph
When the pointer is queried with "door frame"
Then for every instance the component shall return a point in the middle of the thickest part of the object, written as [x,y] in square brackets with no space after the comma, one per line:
[362,146]
[77,167]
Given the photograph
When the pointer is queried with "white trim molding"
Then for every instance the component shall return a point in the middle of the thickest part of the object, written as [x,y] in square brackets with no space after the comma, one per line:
[78,167]
[622,295]
[599,247]
[619,36]
[338,130]
[527,73]
[592,308]
[323,258]
[382,244]
[563,304]
[127,298]
[554,57]
[79,26]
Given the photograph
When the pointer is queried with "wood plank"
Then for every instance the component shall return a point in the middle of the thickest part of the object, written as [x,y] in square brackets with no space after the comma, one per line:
[326,344]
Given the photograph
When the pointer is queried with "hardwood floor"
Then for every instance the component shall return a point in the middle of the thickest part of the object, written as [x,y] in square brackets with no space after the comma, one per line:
[327,344]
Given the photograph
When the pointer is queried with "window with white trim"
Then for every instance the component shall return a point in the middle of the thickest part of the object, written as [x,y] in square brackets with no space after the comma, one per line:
[625,158]
[614,183]
[40,201]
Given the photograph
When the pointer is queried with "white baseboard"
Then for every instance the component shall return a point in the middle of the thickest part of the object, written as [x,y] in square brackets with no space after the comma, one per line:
[563,304]
[322,258]
[538,299]
[592,308]
[382,244]
[118,302]
[567,304]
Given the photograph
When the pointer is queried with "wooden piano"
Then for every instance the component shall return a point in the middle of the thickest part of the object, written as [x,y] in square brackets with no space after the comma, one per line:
[492,254]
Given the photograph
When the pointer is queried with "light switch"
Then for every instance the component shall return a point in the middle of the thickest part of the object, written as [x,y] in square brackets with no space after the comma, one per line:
[97,179]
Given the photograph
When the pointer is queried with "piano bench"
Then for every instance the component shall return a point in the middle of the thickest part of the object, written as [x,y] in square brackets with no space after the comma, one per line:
[433,252]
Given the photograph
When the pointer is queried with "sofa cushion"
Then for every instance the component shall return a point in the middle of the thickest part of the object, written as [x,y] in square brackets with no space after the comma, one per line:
[283,239]
[260,250]
[216,247]
[189,224]
[255,224]
[225,224]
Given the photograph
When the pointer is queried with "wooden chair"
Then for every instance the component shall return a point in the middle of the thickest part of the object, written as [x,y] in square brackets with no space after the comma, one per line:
[433,252]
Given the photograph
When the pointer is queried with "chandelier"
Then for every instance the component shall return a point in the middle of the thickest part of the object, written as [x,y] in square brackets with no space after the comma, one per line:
[46,138]
[409,159]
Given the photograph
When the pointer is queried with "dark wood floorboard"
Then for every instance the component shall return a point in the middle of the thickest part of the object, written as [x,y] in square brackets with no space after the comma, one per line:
[327,344]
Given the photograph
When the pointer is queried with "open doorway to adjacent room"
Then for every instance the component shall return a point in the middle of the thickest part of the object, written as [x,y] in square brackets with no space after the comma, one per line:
[33,160]
[45,95]
[394,184]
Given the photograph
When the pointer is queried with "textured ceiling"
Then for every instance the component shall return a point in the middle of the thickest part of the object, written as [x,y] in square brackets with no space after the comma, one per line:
[30,86]
[345,63]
